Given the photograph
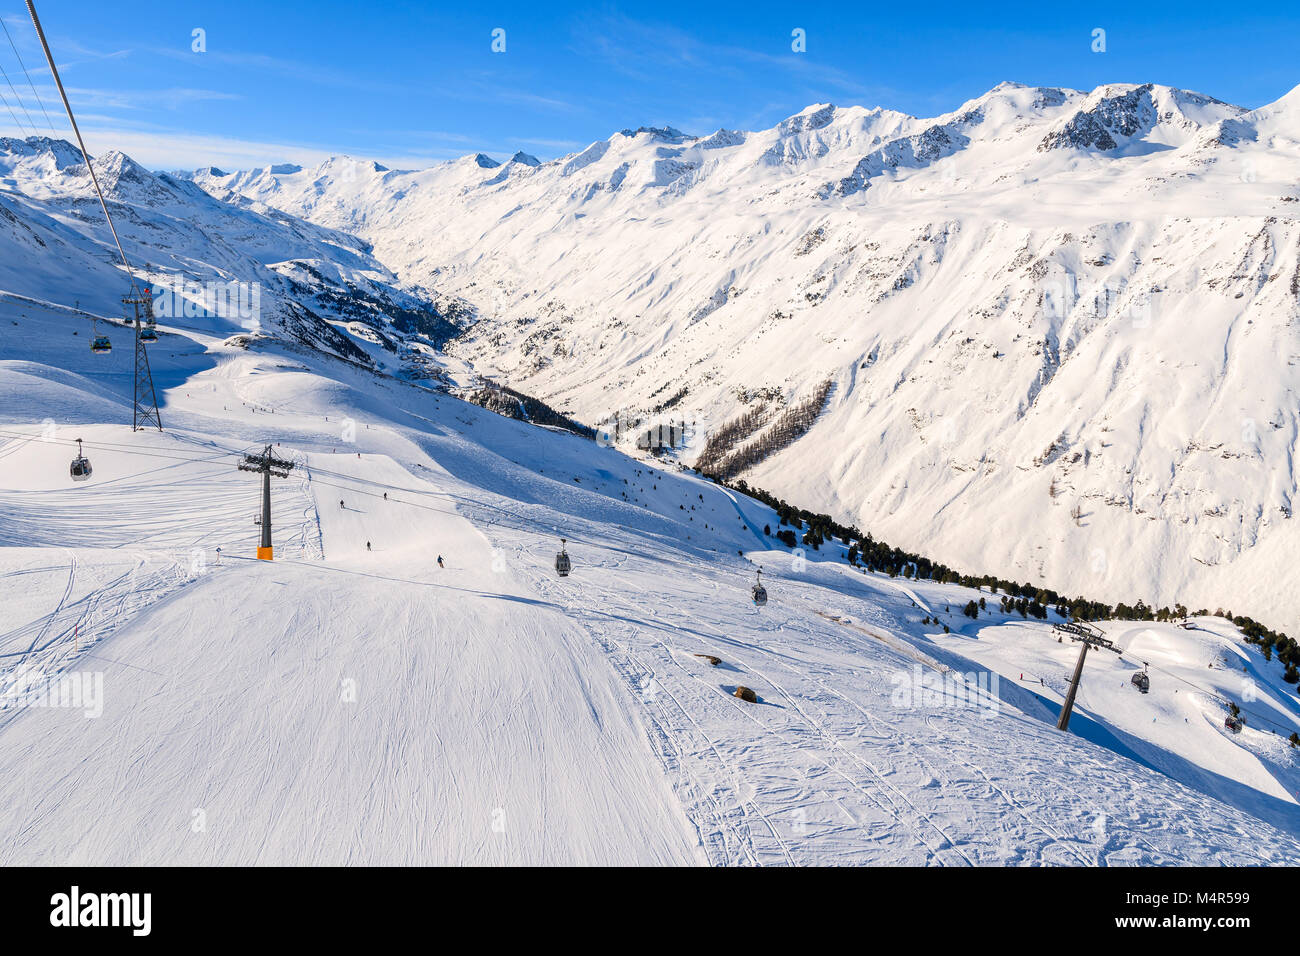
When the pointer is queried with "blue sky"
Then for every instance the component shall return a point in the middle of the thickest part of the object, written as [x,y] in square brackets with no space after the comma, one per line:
[415,83]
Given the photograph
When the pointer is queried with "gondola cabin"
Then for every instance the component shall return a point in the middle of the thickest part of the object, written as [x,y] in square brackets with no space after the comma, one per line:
[147,334]
[80,468]
[1234,723]
[562,563]
[101,344]
[1141,681]
[758,592]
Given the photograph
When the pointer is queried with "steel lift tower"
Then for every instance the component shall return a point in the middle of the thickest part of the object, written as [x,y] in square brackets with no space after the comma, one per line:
[146,400]
[1088,637]
[267,465]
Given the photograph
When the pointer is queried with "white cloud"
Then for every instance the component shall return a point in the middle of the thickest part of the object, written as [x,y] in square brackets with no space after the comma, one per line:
[171,149]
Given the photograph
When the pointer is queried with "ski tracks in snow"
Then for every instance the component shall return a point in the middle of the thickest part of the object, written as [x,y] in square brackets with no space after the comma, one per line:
[749,811]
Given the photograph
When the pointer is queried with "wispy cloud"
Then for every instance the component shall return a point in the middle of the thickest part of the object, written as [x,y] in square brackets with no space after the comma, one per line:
[225,61]
[169,99]
[72,53]
[656,53]
[161,147]
[533,100]
[562,145]
[180,149]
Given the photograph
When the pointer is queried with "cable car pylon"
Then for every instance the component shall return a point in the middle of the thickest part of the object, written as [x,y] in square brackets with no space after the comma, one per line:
[146,399]
[1087,636]
[266,464]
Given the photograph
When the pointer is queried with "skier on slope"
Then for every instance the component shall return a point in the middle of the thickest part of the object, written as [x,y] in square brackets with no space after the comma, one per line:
[440,564]
[367,545]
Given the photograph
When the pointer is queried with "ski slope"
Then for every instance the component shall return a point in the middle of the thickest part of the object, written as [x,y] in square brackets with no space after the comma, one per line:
[473,706]
[351,704]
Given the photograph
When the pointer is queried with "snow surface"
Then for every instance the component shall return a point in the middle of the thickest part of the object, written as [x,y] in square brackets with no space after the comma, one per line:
[346,704]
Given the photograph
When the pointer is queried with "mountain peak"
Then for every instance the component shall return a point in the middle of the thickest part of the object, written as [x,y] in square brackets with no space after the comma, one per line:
[1285,107]
[352,164]
[525,159]
[120,167]
[1115,115]
[813,117]
[61,151]
[665,133]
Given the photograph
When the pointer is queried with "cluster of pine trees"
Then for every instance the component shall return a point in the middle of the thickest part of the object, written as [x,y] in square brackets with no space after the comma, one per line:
[787,538]
[721,441]
[1028,607]
[1270,642]
[506,401]
[672,400]
[788,428]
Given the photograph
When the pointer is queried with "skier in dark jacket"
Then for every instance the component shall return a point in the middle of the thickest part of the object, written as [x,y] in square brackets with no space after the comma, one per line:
[440,564]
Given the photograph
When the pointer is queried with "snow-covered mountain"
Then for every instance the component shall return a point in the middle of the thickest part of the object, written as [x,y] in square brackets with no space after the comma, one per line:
[1060,327]
[316,285]
[409,681]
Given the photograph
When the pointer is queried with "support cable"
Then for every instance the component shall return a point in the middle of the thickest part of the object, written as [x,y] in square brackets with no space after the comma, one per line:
[5,74]
[85,155]
[41,103]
